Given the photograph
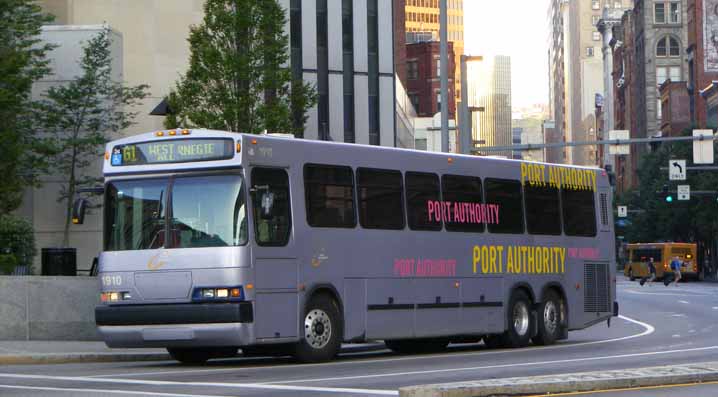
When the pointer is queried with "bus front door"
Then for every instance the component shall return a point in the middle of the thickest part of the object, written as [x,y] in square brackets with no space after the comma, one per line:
[275,260]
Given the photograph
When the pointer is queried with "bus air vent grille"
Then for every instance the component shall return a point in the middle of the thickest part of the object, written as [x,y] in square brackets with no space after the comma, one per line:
[604,209]
[596,288]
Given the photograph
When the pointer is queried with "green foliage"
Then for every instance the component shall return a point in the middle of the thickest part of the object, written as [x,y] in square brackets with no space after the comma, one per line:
[22,62]
[81,116]
[694,220]
[17,239]
[237,78]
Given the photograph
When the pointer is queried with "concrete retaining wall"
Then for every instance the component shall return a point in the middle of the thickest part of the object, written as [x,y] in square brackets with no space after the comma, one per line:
[48,308]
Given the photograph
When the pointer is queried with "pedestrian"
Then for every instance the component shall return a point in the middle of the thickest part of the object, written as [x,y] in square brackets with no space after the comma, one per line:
[651,273]
[676,269]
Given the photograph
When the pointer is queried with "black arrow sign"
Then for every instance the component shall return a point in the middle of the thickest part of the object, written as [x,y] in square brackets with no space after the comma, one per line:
[679,167]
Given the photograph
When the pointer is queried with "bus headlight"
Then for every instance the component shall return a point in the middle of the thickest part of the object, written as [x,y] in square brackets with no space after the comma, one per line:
[217,294]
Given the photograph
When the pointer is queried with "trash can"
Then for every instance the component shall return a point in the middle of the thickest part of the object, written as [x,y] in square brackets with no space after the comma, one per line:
[59,261]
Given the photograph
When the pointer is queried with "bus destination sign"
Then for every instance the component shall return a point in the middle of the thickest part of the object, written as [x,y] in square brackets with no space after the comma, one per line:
[173,151]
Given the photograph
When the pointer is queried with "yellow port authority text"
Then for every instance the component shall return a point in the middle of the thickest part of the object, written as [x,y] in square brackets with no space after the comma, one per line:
[519,259]
[558,177]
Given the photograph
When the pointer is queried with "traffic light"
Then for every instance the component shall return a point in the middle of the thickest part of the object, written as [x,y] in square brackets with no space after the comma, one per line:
[667,194]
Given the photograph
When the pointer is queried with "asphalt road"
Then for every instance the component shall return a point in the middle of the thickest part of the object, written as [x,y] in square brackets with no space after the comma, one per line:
[662,326]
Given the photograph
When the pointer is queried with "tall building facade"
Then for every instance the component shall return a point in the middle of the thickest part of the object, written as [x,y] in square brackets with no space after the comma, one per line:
[422,16]
[339,46]
[702,56]
[575,71]
[489,85]
[423,82]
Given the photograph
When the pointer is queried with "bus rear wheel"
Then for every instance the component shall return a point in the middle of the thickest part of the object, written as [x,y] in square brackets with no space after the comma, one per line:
[417,346]
[520,321]
[550,319]
[321,331]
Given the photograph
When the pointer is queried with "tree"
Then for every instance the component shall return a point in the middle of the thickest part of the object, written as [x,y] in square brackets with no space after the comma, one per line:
[79,118]
[237,78]
[22,62]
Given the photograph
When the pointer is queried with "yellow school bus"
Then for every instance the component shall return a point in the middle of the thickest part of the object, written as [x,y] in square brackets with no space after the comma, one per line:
[662,254]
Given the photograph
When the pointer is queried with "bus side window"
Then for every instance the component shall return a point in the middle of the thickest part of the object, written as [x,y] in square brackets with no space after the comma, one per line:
[381,199]
[272,229]
[543,212]
[466,192]
[329,192]
[422,193]
[579,212]
[504,198]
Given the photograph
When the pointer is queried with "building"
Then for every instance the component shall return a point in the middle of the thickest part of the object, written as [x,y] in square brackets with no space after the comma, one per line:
[551,135]
[336,45]
[675,108]
[489,85]
[422,16]
[702,55]
[423,82]
[516,133]
[575,71]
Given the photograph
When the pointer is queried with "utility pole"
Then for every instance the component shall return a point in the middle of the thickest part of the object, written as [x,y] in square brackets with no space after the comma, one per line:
[444,77]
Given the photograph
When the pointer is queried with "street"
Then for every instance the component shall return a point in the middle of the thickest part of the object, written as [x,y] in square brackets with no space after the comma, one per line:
[659,326]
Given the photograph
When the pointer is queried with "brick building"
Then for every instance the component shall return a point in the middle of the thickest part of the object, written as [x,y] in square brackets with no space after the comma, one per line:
[675,108]
[702,55]
[422,82]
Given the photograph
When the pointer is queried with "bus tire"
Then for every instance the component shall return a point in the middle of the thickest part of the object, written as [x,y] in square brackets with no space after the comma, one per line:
[550,320]
[190,356]
[417,346]
[520,320]
[321,331]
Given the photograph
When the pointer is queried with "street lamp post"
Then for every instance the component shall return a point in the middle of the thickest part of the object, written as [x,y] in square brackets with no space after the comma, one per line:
[444,77]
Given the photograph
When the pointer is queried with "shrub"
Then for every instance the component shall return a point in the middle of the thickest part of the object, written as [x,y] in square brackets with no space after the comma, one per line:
[7,263]
[17,238]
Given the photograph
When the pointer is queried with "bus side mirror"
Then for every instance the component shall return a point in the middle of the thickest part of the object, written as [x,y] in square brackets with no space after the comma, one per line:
[78,211]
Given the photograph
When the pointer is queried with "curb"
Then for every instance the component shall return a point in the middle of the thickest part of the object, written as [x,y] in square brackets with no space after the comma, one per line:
[578,382]
[69,358]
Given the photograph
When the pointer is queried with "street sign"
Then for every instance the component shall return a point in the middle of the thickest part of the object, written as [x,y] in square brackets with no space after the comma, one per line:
[619,149]
[703,150]
[677,170]
[684,192]
[622,211]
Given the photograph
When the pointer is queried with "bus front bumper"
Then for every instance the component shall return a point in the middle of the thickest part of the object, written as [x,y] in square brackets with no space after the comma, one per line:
[176,325]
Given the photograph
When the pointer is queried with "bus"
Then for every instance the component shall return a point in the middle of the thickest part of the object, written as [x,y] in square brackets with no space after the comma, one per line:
[218,241]
[662,254]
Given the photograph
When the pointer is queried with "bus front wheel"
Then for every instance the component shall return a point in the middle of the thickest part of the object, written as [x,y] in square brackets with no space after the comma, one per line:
[550,319]
[520,320]
[321,331]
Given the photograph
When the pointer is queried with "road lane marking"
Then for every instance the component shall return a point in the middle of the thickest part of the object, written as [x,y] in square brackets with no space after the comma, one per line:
[684,302]
[105,391]
[665,293]
[648,329]
[205,384]
[509,365]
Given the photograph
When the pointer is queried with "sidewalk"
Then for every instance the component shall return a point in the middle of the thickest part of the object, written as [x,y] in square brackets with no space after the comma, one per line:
[565,383]
[63,352]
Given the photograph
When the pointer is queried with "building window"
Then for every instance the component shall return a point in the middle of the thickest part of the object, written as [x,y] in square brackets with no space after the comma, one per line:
[668,46]
[373,63]
[414,98]
[438,67]
[674,12]
[617,4]
[412,70]
[596,5]
[595,19]
[322,70]
[589,51]
[348,73]
[295,39]
[596,36]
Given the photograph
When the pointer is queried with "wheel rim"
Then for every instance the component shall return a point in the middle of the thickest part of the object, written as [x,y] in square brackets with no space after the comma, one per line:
[317,328]
[521,318]
[550,317]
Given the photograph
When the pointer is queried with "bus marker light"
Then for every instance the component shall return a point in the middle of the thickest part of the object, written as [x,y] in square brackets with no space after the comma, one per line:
[160,133]
[254,141]
[185,132]
[236,292]
[456,284]
[222,293]
[301,287]
[107,155]
[239,147]
[578,286]
[104,297]
[450,160]
[250,286]
[173,132]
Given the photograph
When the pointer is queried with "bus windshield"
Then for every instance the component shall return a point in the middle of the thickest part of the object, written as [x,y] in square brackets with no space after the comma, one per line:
[204,211]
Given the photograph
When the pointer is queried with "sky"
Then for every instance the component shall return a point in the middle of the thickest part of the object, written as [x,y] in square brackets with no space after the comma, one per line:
[519,29]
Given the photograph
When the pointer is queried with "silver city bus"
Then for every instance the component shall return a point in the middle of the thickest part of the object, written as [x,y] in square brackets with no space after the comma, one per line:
[215,241]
